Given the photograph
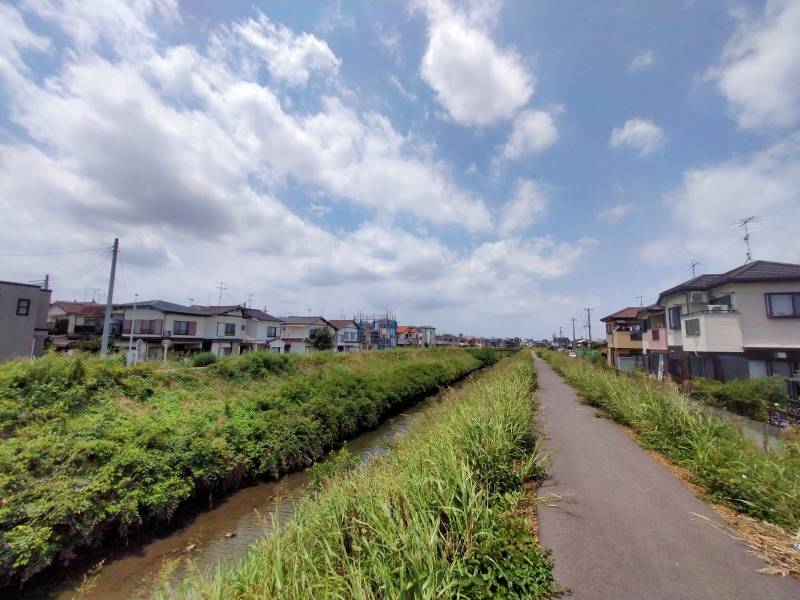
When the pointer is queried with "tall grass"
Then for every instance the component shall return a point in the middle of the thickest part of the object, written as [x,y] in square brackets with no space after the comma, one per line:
[92,450]
[434,518]
[727,464]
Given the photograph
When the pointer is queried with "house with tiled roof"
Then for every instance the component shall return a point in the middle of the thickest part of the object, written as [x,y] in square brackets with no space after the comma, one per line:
[346,339]
[624,337]
[735,325]
[70,323]
[297,332]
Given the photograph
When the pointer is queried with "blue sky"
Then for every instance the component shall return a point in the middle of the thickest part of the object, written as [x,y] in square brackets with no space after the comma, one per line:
[488,167]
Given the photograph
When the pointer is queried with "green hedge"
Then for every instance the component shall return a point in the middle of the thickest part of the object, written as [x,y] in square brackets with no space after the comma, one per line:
[92,449]
[764,485]
[437,517]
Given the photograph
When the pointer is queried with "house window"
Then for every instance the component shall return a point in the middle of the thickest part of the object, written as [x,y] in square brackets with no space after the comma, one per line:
[757,368]
[226,329]
[692,326]
[783,305]
[23,307]
[272,332]
[180,328]
[655,334]
[675,317]
[724,300]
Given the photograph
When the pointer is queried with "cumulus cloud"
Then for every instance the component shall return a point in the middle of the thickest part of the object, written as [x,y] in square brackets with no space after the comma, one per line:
[533,132]
[759,71]
[474,80]
[185,152]
[616,213]
[642,61]
[527,206]
[641,134]
[710,199]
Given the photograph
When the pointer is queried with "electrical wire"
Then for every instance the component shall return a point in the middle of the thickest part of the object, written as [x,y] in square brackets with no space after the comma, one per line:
[53,253]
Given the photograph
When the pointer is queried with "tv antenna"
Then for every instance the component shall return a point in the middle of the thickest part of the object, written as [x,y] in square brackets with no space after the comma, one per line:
[249,300]
[641,300]
[221,285]
[742,224]
[695,264]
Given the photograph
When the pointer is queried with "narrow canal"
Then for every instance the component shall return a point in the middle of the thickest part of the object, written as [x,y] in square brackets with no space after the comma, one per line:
[224,533]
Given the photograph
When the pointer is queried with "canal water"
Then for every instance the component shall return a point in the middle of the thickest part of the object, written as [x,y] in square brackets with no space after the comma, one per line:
[765,436]
[224,533]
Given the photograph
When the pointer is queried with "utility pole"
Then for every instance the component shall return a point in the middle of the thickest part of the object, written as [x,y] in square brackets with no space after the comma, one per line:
[695,264]
[573,331]
[109,301]
[589,324]
[221,285]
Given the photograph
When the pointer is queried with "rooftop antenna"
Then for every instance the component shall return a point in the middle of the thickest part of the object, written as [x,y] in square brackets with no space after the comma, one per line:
[743,223]
[641,300]
[249,300]
[191,301]
[695,264]
[221,285]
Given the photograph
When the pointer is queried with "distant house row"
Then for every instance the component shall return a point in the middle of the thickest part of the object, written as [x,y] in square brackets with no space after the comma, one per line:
[735,325]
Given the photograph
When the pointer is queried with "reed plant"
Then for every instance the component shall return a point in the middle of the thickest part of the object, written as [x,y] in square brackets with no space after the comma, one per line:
[437,517]
[733,470]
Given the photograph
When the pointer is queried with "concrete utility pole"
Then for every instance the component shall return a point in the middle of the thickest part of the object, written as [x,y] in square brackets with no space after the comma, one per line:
[589,324]
[109,301]
[573,331]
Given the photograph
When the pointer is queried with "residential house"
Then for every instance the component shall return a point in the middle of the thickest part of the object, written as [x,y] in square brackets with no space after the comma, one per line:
[426,336]
[72,322]
[739,324]
[262,331]
[624,336]
[654,340]
[225,329]
[346,339]
[157,326]
[23,319]
[297,333]
[407,336]
[447,339]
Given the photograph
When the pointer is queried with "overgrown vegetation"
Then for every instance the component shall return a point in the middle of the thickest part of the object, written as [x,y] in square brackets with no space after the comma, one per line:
[437,517]
[749,397]
[91,449]
[727,464]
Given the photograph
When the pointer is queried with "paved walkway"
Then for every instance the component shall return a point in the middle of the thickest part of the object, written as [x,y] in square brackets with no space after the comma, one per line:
[624,528]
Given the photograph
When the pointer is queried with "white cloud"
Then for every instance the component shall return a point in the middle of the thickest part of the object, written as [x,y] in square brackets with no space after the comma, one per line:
[759,71]
[640,134]
[534,131]
[411,97]
[289,57]
[616,213]
[642,61]
[185,153]
[474,80]
[14,37]
[528,205]
[708,202]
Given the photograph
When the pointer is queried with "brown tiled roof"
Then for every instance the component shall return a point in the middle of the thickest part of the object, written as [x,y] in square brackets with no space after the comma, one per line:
[304,320]
[80,308]
[630,312]
[341,323]
[406,329]
[259,315]
[753,272]
[216,310]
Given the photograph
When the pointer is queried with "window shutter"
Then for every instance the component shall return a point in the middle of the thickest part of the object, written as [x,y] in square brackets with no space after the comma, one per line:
[137,328]
[158,325]
[126,326]
[192,327]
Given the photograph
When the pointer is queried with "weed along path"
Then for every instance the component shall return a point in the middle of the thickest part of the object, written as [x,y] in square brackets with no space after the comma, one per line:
[622,526]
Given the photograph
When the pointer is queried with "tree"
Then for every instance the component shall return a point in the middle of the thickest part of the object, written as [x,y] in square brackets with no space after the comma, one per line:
[321,338]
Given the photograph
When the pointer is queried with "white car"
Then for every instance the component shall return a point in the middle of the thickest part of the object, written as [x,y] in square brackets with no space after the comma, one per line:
[571,354]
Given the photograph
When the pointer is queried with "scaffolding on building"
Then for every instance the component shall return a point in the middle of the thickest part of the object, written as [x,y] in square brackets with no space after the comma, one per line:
[376,331]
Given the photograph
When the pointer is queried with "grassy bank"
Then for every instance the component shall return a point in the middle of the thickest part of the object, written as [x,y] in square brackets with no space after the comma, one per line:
[751,398]
[92,450]
[732,470]
[438,517]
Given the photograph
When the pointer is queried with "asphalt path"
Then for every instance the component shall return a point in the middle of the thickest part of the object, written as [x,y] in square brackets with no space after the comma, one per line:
[623,527]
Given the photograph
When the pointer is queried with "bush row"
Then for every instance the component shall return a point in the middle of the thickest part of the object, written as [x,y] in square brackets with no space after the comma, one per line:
[748,397]
[437,517]
[727,464]
[92,450]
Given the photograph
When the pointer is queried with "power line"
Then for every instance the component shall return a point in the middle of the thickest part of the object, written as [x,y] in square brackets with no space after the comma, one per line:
[54,253]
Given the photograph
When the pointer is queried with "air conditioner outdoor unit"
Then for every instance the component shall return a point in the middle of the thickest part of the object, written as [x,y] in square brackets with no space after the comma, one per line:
[698,297]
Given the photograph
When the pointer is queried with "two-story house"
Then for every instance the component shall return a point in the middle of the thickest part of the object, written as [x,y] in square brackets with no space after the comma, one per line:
[346,335]
[72,322]
[157,326]
[225,329]
[654,340]
[426,336]
[407,336]
[739,324]
[23,319]
[624,337]
[297,333]
[262,330]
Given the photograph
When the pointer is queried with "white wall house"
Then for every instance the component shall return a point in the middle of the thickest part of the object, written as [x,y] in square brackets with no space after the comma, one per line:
[346,335]
[297,333]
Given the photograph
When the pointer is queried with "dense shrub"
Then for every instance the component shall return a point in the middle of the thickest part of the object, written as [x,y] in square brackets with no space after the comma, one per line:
[749,397]
[764,485]
[437,517]
[488,356]
[203,359]
[91,448]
